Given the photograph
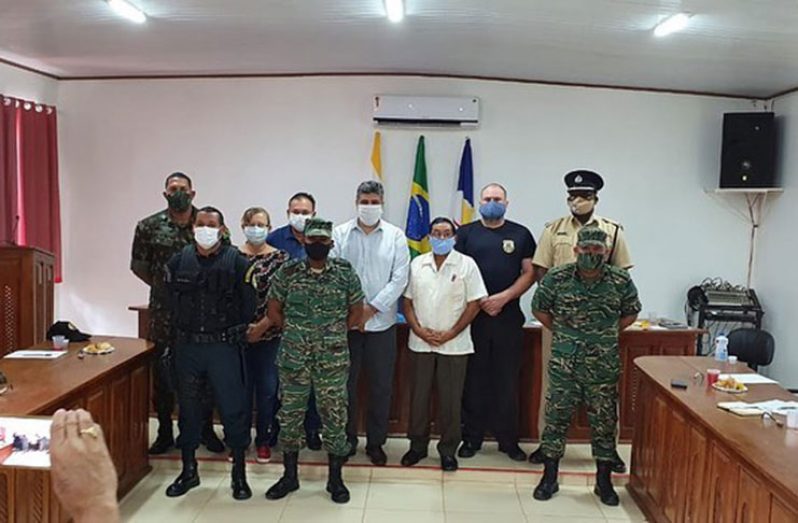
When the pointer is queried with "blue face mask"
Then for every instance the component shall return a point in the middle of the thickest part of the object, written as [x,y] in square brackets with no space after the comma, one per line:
[492,210]
[441,246]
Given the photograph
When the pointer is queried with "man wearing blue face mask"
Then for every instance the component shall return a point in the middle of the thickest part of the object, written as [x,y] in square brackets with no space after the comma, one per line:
[441,301]
[503,251]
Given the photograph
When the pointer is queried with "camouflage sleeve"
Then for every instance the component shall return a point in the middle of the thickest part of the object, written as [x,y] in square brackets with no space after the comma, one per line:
[277,287]
[354,289]
[543,300]
[140,254]
[630,302]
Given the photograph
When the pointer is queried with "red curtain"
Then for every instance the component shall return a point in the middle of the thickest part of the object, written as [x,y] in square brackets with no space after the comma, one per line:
[35,177]
[8,170]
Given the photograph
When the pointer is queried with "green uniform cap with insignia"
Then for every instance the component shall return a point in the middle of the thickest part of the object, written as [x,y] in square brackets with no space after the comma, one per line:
[588,236]
[318,227]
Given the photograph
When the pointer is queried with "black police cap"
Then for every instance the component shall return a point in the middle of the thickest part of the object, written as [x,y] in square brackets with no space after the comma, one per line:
[65,328]
[583,180]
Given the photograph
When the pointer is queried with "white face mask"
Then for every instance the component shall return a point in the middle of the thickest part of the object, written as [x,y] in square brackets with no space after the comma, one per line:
[255,234]
[206,237]
[369,214]
[297,221]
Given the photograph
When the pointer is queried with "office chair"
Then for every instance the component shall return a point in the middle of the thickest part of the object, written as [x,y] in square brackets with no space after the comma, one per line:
[752,346]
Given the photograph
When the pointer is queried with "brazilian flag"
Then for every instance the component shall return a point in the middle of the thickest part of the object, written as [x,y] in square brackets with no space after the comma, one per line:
[418,217]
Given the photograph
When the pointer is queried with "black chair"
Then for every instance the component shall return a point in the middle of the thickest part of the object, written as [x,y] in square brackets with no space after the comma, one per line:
[752,346]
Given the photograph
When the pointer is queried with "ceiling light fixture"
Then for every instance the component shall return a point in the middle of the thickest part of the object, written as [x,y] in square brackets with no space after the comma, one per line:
[672,24]
[127,10]
[395,10]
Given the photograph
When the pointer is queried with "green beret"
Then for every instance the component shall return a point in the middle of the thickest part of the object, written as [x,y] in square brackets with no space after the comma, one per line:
[318,227]
[591,236]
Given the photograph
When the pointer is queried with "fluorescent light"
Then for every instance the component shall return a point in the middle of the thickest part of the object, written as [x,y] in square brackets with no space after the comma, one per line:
[395,10]
[127,10]
[672,24]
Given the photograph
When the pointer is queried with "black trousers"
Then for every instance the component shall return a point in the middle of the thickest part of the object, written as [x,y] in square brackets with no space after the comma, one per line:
[374,353]
[221,365]
[490,398]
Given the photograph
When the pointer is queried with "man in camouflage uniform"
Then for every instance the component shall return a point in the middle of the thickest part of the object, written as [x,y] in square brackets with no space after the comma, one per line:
[585,304]
[556,247]
[156,240]
[316,301]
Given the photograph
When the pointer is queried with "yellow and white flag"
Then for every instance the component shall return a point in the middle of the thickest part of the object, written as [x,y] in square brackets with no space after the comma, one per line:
[376,156]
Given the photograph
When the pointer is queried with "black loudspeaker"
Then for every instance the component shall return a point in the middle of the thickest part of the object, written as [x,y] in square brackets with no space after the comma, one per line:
[748,156]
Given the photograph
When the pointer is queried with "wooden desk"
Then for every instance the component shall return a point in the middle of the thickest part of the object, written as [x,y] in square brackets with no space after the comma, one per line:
[114,388]
[694,462]
[633,343]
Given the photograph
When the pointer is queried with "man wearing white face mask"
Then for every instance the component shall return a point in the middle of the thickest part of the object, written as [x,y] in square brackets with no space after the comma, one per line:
[556,248]
[291,239]
[378,252]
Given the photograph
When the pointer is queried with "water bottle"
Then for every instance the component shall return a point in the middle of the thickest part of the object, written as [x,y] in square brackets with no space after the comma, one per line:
[721,348]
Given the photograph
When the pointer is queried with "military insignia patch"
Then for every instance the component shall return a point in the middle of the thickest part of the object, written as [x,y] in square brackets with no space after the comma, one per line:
[508,246]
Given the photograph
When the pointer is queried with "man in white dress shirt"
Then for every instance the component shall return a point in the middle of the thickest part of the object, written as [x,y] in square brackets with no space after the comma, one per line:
[441,301]
[378,252]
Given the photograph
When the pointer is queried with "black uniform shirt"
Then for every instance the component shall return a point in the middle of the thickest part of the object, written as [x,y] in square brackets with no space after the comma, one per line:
[499,254]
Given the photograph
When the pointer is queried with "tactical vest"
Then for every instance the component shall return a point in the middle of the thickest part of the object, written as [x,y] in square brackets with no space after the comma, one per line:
[210,290]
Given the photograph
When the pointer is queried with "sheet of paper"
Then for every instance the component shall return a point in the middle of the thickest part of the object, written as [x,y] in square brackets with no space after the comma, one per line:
[749,378]
[36,354]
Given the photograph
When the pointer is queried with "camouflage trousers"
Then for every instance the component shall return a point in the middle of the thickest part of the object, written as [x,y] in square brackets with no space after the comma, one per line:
[589,378]
[322,367]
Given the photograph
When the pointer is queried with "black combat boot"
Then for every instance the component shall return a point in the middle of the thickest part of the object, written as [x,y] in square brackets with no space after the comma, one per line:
[537,456]
[603,488]
[618,466]
[335,483]
[188,478]
[210,439]
[290,480]
[238,478]
[548,485]
[165,439]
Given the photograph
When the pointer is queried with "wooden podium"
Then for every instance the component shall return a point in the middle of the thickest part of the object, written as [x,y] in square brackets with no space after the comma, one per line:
[26,297]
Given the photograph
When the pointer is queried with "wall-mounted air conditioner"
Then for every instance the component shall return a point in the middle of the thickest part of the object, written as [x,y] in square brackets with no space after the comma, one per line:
[426,111]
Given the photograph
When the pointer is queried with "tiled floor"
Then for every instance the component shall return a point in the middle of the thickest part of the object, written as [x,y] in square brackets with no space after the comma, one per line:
[488,488]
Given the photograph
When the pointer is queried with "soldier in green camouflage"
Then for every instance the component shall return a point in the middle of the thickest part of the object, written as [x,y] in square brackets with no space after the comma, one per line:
[156,240]
[585,304]
[316,301]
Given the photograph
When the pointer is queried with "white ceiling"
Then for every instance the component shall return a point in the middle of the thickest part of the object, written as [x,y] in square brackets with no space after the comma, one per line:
[742,47]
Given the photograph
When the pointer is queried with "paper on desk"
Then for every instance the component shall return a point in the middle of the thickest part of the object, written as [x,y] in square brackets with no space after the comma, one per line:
[35,354]
[749,378]
[750,409]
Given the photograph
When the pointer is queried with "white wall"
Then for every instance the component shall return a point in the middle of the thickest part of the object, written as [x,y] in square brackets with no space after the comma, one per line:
[257,141]
[19,83]
[776,275]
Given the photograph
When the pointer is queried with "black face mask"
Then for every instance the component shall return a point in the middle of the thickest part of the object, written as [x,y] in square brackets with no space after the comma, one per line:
[317,251]
[179,201]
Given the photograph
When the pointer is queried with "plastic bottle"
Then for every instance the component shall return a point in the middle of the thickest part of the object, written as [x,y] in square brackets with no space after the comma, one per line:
[721,348]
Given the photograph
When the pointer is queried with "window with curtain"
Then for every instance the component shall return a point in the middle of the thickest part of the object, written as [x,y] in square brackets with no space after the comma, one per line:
[30,212]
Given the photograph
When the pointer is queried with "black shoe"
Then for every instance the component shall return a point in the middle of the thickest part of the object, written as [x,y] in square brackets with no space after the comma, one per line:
[211,440]
[618,466]
[376,455]
[513,451]
[448,463]
[289,482]
[537,456]
[412,457]
[188,478]
[163,443]
[352,447]
[603,488]
[467,450]
[335,482]
[313,440]
[548,485]
[238,478]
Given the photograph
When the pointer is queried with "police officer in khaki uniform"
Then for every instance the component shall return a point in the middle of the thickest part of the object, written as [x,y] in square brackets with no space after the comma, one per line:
[556,248]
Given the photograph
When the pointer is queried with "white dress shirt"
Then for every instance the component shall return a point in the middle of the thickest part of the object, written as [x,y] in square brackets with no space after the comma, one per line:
[441,295]
[381,260]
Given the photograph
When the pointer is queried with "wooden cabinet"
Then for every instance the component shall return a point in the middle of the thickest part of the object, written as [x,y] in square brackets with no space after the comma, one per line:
[26,297]
[692,462]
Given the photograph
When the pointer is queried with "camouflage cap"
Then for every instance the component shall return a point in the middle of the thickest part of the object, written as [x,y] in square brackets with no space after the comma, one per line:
[318,227]
[588,236]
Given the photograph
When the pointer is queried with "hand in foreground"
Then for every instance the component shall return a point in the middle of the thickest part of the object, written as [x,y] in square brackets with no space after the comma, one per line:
[84,477]
[492,305]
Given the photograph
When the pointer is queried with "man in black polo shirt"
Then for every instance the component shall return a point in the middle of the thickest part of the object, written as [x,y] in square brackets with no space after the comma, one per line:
[503,251]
